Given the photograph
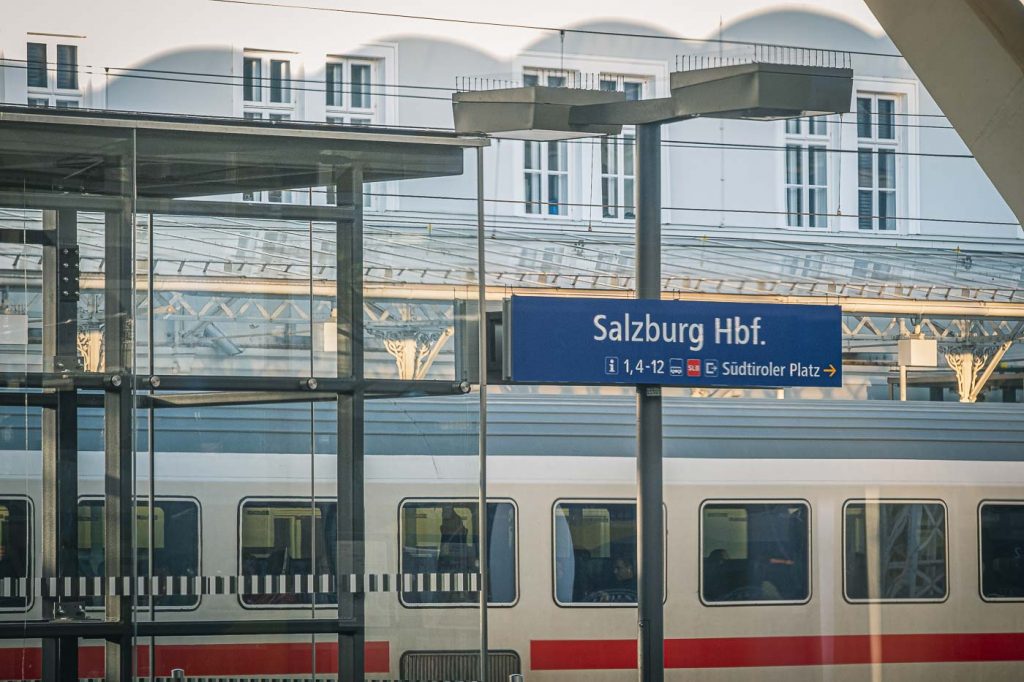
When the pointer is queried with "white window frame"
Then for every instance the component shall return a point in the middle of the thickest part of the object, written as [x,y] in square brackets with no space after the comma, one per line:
[751,501]
[584,198]
[905,92]
[468,501]
[801,133]
[540,151]
[880,501]
[622,177]
[61,98]
[256,499]
[345,113]
[263,103]
[876,145]
[554,550]
[199,555]
[30,549]
[263,109]
[981,565]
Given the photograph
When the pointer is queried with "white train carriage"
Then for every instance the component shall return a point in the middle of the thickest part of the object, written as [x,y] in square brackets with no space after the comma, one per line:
[804,541]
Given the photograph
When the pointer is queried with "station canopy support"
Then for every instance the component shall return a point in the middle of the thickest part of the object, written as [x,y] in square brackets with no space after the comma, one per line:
[756,90]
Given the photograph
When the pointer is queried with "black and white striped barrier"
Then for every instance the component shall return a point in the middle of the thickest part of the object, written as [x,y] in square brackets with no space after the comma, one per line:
[170,586]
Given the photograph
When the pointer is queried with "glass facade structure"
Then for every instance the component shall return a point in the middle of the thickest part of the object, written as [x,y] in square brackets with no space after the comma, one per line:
[199,471]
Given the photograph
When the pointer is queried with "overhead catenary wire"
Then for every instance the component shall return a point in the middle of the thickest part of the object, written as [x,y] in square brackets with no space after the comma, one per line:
[362,89]
[538,27]
[715,209]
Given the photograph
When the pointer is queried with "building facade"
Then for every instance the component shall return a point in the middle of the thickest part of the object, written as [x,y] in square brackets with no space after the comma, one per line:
[886,196]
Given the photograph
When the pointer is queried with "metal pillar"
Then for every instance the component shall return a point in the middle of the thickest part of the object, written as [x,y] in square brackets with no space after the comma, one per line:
[60,430]
[650,530]
[118,431]
[350,512]
[481,297]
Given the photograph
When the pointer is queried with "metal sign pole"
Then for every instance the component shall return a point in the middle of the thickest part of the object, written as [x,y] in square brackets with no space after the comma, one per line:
[650,527]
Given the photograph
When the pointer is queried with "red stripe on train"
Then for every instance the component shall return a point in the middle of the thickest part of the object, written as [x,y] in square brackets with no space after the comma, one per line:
[206,660]
[743,652]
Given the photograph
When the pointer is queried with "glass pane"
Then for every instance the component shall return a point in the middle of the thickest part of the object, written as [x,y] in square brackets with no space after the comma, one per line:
[67,104]
[252,80]
[886,210]
[864,117]
[556,81]
[554,156]
[608,85]
[817,125]
[634,91]
[67,67]
[335,76]
[531,192]
[817,166]
[628,145]
[755,552]
[1002,551]
[886,116]
[531,155]
[865,177]
[36,65]
[865,209]
[280,87]
[793,126]
[794,164]
[530,79]
[595,553]
[175,550]
[361,86]
[895,550]
[16,545]
[794,208]
[286,538]
[627,197]
[554,194]
[609,197]
[609,155]
[886,169]
[441,537]
[817,200]
[38,101]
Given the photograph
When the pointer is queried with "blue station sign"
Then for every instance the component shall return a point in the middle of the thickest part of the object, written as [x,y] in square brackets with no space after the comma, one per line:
[672,343]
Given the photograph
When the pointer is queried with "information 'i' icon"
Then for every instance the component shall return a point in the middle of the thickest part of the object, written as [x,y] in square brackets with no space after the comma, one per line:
[611,365]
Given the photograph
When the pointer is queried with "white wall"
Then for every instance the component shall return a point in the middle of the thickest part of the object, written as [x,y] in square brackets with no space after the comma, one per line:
[207,39]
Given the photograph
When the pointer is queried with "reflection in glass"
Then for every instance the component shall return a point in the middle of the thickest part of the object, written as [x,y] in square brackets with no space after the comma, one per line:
[175,547]
[1002,551]
[287,538]
[15,547]
[442,537]
[895,550]
[755,552]
[595,552]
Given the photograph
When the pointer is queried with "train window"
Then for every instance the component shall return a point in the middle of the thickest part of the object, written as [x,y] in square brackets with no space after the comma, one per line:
[755,552]
[175,545]
[595,553]
[440,536]
[895,551]
[15,532]
[1002,550]
[289,538]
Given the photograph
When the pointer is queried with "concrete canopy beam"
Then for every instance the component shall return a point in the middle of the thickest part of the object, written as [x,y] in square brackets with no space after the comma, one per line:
[970,56]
